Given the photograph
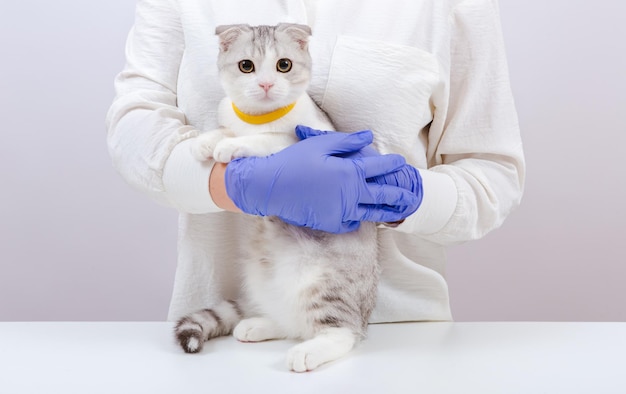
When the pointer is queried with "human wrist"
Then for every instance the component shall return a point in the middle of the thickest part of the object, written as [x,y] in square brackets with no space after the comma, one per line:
[217,188]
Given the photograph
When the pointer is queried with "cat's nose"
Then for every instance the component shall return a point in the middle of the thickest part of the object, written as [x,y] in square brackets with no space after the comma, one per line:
[266,86]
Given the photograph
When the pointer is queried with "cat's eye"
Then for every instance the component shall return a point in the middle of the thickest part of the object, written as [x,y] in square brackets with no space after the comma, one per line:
[246,66]
[284,65]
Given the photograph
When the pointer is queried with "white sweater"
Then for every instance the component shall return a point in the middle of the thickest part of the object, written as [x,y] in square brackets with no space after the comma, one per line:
[429,77]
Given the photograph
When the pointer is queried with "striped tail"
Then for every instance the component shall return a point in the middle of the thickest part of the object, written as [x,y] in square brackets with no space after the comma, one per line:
[196,328]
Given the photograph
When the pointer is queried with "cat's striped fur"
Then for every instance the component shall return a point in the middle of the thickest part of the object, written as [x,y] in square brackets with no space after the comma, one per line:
[195,329]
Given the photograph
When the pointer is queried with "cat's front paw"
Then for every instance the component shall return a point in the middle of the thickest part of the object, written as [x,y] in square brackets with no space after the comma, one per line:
[204,145]
[230,149]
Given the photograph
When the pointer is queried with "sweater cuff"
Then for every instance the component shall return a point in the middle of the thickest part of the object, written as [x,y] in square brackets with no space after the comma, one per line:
[438,205]
[186,180]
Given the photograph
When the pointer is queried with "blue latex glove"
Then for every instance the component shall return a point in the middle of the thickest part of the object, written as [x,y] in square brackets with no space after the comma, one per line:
[310,184]
[406,177]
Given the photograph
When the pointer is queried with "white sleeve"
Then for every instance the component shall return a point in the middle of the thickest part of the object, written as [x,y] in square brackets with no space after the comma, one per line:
[475,142]
[148,137]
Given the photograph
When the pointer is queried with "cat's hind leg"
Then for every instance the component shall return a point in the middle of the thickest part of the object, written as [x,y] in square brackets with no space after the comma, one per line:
[329,344]
[257,329]
[198,327]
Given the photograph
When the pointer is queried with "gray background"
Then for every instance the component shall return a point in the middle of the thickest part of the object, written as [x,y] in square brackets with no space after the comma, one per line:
[76,243]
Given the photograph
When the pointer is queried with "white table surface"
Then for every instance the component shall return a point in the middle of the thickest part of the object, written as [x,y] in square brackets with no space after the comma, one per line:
[396,358]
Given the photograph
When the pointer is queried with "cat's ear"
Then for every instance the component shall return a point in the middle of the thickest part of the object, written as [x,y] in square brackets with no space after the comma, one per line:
[299,33]
[228,34]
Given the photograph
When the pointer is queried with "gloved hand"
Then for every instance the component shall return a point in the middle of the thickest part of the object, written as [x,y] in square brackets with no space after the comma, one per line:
[406,177]
[310,184]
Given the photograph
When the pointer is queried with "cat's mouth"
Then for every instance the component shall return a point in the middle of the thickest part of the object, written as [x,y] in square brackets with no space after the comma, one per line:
[270,102]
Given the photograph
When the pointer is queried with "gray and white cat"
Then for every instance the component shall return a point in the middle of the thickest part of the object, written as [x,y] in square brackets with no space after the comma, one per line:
[297,283]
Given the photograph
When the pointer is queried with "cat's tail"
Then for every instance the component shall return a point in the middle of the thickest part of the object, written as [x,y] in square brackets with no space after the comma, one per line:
[198,327]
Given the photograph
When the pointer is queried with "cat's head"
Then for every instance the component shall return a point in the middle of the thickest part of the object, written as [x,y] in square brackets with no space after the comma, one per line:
[263,68]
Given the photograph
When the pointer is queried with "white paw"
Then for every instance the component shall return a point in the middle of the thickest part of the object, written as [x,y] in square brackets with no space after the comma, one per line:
[201,152]
[325,347]
[203,147]
[255,329]
[229,149]
[301,359]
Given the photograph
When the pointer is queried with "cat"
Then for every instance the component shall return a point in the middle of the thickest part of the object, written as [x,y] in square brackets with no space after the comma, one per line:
[298,283]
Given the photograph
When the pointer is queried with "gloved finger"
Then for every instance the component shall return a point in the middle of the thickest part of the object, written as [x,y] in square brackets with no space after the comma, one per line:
[364,152]
[381,164]
[340,143]
[376,194]
[383,214]
[304,132]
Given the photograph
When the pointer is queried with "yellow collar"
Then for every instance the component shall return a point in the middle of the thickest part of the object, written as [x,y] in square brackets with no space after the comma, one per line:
[264,118]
